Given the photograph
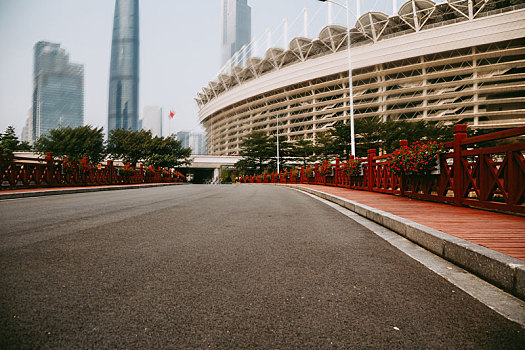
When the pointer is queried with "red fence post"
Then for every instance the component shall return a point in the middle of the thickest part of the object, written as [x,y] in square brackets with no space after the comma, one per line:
[371,169]
[337,171]
[402,178]
[514,181]
[109,170]
[50,168]
[1,163]
[141,173]
[460,133]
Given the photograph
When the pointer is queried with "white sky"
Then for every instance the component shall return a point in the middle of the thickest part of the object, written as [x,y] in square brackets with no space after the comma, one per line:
[179,48]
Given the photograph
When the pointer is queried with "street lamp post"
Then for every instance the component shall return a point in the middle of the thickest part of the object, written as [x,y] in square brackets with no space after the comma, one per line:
[350,80]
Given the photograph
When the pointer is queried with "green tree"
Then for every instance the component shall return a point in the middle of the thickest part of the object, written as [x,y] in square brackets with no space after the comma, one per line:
[285,151]
[257,151]
[341,141]
[324,146]
[10,143]
[393,131]
[167,152]
[129,146]
[369,132]
[75,143]
[372,133]
[303,149]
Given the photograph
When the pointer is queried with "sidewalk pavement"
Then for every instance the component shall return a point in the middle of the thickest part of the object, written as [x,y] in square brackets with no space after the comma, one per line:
[50,191]
[488,244]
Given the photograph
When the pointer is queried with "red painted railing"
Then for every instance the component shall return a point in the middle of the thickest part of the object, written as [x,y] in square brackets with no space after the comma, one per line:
[23,172]
[485,177]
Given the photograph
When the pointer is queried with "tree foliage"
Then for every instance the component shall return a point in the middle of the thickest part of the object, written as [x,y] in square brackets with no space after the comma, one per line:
[324,146]
[167,152]
[74,143]
[257,151]
[371,133]
[10,143]
[129,146]
[141,146]
[302,149]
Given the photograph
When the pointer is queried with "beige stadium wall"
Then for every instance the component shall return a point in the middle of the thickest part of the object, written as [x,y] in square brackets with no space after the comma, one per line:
[471,72]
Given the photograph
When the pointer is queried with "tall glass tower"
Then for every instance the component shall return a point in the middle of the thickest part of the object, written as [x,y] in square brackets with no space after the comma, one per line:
[123,112]
[58,90]
[236,27]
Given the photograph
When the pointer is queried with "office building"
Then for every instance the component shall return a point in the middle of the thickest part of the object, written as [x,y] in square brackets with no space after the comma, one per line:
[58,90]
[124,70]
[27,130]
[193,140]
[152,120]
[236,27]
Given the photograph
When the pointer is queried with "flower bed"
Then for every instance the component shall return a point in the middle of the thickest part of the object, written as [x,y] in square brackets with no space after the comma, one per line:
[325,169]
[150,171]
[309,172]
[294,174]
[420,158]
[352,167]
[126,171]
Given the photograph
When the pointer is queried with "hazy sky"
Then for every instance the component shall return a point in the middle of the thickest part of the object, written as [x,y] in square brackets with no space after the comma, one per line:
[179,48]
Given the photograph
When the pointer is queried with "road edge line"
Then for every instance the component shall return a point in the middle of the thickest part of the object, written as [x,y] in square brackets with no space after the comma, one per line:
[505,304]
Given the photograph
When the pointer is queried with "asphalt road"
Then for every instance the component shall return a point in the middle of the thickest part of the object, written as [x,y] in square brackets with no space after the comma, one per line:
[239,266]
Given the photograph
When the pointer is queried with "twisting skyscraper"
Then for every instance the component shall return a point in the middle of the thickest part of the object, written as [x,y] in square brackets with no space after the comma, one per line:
[236,27]
[124,70]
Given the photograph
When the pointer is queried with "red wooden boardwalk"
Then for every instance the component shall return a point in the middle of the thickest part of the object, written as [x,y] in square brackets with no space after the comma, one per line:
[500,232]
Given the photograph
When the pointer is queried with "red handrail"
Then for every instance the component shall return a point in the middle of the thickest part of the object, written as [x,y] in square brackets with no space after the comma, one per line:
[487,177]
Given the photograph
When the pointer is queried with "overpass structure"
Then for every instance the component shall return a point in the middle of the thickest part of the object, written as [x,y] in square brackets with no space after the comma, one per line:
[208,167]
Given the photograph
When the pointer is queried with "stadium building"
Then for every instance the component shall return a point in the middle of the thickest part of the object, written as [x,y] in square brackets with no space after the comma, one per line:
[458,61]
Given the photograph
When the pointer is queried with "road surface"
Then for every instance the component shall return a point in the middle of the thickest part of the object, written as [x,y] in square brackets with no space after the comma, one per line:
[233,266]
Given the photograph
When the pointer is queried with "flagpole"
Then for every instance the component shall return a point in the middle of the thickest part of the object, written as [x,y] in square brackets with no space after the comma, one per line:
[170,117]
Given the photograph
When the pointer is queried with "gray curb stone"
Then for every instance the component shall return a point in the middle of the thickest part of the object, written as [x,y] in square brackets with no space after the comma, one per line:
[79,190]
[497,268]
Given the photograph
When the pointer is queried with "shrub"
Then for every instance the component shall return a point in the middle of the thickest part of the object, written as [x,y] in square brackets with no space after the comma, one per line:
[325,169]
[352,167]
[420,158]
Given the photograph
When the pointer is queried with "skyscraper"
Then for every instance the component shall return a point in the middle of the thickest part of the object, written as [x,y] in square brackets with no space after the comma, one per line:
[194,140]
[58,90]
[152,120]
[124,70]
[236,27]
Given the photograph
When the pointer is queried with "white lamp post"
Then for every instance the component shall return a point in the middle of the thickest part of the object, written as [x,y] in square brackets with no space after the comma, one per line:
[350,80]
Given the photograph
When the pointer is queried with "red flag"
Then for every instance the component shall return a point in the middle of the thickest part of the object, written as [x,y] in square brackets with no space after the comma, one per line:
[172,114]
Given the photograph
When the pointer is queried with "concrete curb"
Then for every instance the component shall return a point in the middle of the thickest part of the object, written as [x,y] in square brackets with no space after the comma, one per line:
[499,269]
[4,196]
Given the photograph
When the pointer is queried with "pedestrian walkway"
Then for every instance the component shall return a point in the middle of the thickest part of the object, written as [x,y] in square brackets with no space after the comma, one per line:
[44,191]
[500,232]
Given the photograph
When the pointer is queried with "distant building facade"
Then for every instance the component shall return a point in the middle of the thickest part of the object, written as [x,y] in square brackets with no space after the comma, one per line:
[58,90]
[27,130]
[193,140]
[124,70]
[152,120]
[236,27]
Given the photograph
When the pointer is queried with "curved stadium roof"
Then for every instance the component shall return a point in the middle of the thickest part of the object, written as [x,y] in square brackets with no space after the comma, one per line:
[413,16]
